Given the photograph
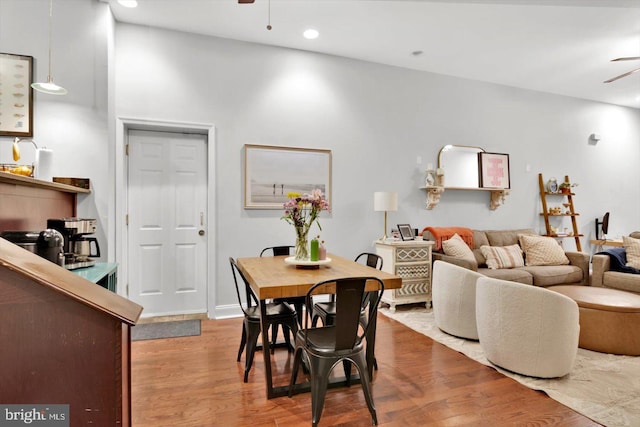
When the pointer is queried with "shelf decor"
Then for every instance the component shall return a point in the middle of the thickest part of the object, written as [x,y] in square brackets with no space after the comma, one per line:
[301,212]
[493,170]
[271,172]
[16,96]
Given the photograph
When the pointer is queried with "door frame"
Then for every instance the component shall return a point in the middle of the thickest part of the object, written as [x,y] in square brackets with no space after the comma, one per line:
[116,220]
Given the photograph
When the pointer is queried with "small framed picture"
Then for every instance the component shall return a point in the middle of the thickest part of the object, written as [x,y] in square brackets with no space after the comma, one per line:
[406,232]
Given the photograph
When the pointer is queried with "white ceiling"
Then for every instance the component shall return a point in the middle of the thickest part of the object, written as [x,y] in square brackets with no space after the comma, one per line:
[556,46]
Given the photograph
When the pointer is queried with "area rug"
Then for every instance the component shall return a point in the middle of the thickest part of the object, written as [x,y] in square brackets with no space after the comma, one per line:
[603,387]
[153,331]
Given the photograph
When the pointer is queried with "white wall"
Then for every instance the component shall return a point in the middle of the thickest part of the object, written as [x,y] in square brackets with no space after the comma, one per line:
[376,120]
[73,126]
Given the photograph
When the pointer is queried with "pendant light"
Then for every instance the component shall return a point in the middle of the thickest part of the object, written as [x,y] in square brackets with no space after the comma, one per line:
[49,87]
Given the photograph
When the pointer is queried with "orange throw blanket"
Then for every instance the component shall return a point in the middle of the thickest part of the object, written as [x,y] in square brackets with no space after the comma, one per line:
[445,233]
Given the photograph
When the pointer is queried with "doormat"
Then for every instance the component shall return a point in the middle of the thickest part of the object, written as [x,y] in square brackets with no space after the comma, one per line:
[154,331]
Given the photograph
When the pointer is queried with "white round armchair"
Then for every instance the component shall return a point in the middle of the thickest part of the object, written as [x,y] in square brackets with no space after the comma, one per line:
[453,296]
[526,329]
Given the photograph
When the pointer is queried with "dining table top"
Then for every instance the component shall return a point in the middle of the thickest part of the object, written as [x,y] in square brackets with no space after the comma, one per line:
[271,277]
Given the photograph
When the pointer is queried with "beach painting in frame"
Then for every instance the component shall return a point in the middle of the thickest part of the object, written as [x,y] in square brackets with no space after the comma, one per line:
[272,172]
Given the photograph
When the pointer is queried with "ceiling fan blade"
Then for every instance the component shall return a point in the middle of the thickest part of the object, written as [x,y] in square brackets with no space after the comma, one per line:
[628,58]
[622,75]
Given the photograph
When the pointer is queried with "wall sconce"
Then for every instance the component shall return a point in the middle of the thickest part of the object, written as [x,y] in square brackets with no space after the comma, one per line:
[385,201]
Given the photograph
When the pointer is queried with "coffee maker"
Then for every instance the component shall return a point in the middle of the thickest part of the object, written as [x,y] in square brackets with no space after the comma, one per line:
[79,248]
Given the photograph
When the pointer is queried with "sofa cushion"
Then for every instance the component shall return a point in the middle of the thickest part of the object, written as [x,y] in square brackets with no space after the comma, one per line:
[512,274]
[506,237]
[479,240]
[632,248]
[458,248]
[503,256]
[549,275]
[541,250]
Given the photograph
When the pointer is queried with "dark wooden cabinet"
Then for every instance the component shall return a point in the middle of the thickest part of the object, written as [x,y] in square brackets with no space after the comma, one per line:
[27,203]
[64,340]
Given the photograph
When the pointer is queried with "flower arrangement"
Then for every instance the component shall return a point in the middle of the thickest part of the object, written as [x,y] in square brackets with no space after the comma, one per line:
[302,211]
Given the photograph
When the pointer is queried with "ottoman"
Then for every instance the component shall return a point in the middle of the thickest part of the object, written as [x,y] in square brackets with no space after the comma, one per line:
[609,318]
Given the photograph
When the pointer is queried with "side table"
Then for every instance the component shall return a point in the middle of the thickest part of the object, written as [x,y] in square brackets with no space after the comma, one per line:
[410,260]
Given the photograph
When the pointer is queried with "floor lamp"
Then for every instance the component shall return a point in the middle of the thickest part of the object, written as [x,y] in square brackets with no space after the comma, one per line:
[385,201]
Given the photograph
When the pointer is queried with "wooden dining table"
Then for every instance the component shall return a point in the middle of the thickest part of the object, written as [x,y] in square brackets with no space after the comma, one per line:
[272,277]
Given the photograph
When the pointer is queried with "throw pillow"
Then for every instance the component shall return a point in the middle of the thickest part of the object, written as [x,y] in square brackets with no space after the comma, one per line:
[632,247]
[502,256]
[458,248]
[541,250]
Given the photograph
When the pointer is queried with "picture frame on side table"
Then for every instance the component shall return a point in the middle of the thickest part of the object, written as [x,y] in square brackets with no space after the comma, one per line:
[272,172]
[406,232]
[494,170]
[16,96]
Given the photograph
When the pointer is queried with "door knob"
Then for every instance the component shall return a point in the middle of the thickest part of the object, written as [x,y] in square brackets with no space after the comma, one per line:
[201,232]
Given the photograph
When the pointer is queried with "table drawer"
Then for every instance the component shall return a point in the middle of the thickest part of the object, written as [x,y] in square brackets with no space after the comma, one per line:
[413,271]
[412,254]
[414,287]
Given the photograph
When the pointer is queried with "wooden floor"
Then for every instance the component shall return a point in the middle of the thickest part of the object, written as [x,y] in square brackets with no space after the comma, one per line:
[196,381]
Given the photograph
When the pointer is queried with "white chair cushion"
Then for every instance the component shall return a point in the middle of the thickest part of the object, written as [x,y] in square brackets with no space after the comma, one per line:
[458,248]
[502,256]
[542,250]
[632,249]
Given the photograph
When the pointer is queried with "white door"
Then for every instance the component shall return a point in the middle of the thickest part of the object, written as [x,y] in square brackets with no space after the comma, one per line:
[167,232]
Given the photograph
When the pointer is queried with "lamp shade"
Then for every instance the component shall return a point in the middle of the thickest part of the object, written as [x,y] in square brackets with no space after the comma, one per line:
[386,201]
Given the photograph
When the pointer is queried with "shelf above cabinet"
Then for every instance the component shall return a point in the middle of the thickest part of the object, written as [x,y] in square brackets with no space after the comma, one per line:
[434,192]
[26,181]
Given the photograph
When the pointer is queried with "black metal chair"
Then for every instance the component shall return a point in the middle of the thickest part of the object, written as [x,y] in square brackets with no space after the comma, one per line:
[343,340]
[277,313]
[327,310]
[277,250]
[297,302]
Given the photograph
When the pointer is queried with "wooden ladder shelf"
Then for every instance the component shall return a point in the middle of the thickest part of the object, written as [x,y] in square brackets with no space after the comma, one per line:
[567,210]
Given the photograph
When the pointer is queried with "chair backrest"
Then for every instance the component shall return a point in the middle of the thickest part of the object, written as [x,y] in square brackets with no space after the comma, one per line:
[349,294]
[250,299]
[277,250]
[371,259]
[527,329]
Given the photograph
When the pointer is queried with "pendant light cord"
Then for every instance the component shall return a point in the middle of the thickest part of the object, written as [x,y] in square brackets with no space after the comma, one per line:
[50,32]
[269,27]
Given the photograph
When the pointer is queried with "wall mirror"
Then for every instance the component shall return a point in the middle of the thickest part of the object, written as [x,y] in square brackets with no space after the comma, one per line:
[460,165]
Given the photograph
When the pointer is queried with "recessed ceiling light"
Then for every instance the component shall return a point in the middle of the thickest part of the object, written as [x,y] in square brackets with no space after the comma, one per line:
[311,34]
[128,3]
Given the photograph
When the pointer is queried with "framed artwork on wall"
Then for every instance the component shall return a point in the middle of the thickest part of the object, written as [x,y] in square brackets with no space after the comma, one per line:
[16,96]
[494,170]
[271,172]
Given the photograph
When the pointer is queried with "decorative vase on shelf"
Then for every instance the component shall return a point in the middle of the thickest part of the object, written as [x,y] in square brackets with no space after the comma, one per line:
[430,179]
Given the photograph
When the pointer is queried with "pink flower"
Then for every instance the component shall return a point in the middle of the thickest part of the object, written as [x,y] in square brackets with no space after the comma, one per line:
[302,211]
